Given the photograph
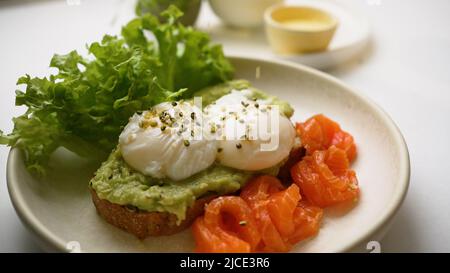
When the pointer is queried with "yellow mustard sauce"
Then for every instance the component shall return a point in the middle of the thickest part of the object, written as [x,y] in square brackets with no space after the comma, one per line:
[312,24]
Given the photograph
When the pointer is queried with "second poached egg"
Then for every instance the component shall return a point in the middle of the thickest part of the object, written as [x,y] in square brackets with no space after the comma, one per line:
[252,134]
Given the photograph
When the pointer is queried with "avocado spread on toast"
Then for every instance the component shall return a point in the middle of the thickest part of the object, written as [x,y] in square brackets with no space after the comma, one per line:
[118,183]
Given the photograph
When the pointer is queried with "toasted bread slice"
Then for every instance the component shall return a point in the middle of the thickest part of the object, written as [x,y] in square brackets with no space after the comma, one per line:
[143,223]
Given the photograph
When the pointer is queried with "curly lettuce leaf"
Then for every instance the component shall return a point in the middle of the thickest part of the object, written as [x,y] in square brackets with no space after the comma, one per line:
[190,8]
[85,106]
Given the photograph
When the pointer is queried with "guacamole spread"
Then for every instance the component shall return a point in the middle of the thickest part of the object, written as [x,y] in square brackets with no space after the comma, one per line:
[118,183]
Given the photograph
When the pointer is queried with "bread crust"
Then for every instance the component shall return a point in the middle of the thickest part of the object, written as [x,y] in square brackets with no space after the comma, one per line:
[143,223]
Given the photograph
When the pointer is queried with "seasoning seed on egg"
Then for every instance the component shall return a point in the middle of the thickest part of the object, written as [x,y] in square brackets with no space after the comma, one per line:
[131,138]
[244,104]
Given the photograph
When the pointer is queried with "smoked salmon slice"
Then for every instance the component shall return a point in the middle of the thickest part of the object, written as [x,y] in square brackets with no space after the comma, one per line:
[229,220]
[281,207]
[324,178]
[208,240]
[257,193]
[279,213]
[307,219]
[319,133]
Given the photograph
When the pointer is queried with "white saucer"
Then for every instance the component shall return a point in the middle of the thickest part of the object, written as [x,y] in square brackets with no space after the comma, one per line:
[349,42]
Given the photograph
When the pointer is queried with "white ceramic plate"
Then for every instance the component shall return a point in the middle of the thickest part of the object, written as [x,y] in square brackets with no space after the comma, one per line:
[59,211]
[349,42]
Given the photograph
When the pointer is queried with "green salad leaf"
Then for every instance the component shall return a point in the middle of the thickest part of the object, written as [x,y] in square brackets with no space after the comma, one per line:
[85,106]
[190,8]
[143,6]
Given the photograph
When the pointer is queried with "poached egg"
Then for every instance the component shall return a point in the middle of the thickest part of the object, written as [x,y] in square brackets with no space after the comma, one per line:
[167,141]
[176,140]
[252,134]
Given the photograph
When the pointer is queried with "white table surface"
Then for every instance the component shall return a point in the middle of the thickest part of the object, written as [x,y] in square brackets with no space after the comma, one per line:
[406,71]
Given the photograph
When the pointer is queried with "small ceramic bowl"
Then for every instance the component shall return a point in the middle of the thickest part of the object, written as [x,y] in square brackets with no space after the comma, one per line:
[299,29]
[242,13]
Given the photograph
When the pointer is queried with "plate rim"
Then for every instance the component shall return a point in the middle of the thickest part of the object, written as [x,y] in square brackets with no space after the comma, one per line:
[49,240]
